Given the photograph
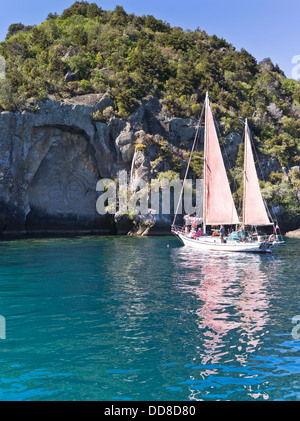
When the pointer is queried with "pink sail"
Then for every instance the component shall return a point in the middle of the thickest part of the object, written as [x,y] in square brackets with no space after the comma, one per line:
[254,208]
[220,208]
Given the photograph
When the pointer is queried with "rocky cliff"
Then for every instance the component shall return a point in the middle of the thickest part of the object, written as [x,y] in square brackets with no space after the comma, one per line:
[53,155]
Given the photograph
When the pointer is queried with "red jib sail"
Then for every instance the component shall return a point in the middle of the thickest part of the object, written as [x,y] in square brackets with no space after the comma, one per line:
[219,204]
[254,208]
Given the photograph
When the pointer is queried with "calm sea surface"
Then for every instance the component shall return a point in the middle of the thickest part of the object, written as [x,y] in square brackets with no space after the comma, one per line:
[121,318]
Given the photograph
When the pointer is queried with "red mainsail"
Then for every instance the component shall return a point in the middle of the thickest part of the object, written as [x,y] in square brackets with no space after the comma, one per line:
[254,208]
[219,205]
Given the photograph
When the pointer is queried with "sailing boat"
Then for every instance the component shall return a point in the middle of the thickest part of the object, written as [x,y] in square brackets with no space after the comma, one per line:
[218,204]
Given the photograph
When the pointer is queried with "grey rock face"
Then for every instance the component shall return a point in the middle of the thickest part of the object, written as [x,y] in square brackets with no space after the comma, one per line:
[125,144]
[50,163]
[52,159]
[71,77]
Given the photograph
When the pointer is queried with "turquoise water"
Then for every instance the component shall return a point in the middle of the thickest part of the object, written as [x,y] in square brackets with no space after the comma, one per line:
[121,318]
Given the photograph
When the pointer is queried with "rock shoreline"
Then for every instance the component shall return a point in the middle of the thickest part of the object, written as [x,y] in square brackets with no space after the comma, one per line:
[293,234]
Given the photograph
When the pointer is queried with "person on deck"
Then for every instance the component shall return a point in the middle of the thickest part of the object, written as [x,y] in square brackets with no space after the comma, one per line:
[199,233]
[222,231]
[242,234]
[222,234]
[187,221]
[193,232]
[190,234]
[194,223]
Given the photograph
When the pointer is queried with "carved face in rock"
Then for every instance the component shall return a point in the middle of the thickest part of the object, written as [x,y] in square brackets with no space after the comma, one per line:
[63,185]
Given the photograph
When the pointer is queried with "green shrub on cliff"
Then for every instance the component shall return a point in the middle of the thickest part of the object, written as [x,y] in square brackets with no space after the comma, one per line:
[132,56]
[284,189]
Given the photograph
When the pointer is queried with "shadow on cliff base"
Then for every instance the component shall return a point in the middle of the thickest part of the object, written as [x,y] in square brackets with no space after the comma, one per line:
[39,223]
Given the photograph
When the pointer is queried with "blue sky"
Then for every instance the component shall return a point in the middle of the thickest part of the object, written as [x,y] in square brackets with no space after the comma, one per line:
[265,28]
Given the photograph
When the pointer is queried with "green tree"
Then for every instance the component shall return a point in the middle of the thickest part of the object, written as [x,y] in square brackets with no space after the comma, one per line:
[14,28]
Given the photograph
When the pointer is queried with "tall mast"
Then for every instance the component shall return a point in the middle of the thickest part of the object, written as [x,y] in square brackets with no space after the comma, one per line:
[245,174]
[205,165]
[188,166]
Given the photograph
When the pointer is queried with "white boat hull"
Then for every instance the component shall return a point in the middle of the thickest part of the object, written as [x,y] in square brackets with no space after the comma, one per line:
[215,244]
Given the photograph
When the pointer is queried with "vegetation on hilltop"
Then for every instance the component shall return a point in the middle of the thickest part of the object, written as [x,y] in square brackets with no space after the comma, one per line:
[87,49]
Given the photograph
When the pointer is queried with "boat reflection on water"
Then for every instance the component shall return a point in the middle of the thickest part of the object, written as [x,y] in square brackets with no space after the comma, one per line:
[233,313]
